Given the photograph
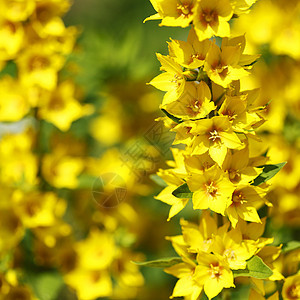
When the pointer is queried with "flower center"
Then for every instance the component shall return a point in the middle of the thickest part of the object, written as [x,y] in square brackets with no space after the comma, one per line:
[10,27]
[184,10]
[231,114]
[230,254]
[215,271]
[209,17]
[234,175]
[211,189]
[220,68]
[38,63]
[176,79]
[214,136]
[238,197]
[294,291]
[194,107]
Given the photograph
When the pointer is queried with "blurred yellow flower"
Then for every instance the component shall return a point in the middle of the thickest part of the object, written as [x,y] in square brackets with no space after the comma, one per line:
[61,170]
[291,287]
[13,101]
[62,108]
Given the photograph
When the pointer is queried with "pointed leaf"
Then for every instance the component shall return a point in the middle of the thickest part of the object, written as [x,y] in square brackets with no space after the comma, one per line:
[158,180]
[290,246]
[268,172]
[255,268]
[183,192]
[46,285]
[160,263]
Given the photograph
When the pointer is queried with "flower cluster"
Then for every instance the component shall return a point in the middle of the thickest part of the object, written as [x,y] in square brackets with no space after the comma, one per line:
[212,256]
[35,43]
[220,162]
[46,171]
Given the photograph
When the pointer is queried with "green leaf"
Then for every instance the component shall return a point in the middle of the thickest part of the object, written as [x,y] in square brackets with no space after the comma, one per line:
[183,192]
[46,285]
[9,69]
[268,172]
[5,262]
[158,180]
[255,268]
[86,181]
[290,246]
[160,263]
[173,118]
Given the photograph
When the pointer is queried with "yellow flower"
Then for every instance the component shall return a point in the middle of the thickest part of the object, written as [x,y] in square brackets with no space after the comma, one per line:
[173,177]
[198,163]
[291,288]
[246,200]
[245,60]
[89,284]
[186,284]
[171,81]
[177,204]
[211,190]
[194,103]
[252,233]
[11,228]
[199,237]
[62,108]
[39,65]
[236,110]
[183,133]
[237,165]
[107,129]
[181,248]
[127,273]
[173,12]
[11,39]
[97,251]
[17,10]
[39,209]
[214,135]
[211,18]
[222,65]
[52,237]
[46,19]
[232,247]
[190,54]
[62,170]
[213,273]
[18,164]
[64,43]
[13,101]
